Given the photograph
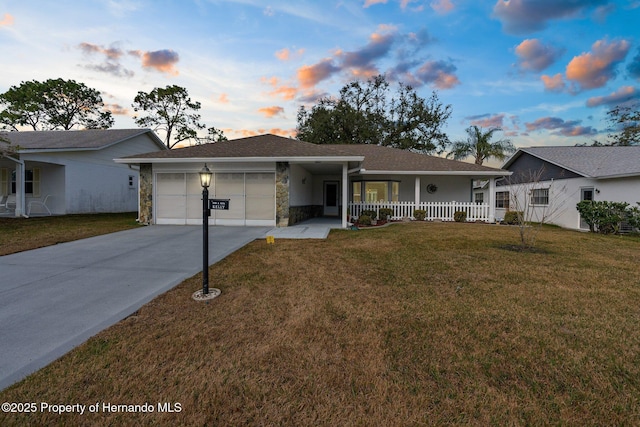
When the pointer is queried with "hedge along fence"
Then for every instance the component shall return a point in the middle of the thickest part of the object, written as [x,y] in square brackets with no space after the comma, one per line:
[609,217]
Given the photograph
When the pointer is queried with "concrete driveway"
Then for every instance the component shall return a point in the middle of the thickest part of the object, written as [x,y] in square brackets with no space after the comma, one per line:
[53,299]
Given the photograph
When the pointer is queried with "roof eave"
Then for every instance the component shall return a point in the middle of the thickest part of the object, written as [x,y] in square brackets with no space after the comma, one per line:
[292,159]
[422,172]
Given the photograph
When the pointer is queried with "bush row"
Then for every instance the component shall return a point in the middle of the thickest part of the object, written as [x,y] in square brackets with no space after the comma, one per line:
[607,217]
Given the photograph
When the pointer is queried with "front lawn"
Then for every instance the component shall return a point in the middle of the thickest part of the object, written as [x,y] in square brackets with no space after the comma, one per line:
[23,234]
[411,324]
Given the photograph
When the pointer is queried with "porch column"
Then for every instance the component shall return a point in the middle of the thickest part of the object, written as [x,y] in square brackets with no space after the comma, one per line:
[19,188]
[417,192]
[345,194]
[492,199]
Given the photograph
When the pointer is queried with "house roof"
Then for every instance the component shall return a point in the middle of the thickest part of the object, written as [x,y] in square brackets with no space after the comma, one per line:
[373,158]
[73,140]
[591,162]
[266,146]
[378,159]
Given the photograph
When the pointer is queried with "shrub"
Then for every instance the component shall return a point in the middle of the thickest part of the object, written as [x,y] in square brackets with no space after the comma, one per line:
[370,213]
[419,214]
[459,216]
[364,220]
[605,217]
[512,217]
[386,212]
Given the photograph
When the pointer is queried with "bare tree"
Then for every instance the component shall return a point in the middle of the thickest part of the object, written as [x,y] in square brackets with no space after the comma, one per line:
[533,203]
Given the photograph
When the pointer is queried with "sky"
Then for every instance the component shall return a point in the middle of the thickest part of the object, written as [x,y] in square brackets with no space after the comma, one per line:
[545,71]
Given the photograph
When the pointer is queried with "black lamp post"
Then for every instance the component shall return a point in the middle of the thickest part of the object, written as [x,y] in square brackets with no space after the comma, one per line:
[205,181]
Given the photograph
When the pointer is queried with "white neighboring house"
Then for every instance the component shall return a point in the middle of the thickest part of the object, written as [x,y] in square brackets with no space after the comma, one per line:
[75,169]
[569,175]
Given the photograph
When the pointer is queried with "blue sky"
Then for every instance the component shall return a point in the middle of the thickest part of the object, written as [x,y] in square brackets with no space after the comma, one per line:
[546,71]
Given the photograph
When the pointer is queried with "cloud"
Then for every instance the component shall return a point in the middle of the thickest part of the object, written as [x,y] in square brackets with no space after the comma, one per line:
[285,54]
[117,109]
[271,111]
[311,75]
[442,6]
[634,66]
[368,3]
[527,16]
[440,74]
[594,69]
[558,126]
[619,97]
[534,56]
[7,21]
[223,98]
[285,92]
[379,46]
[275,131]
[163,60]
[487,120]
[553,83]
[111,64]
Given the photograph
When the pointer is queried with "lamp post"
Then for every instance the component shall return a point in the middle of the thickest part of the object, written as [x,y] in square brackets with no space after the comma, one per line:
[205,181]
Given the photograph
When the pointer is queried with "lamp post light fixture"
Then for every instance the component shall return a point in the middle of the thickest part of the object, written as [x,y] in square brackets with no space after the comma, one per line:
[205,181]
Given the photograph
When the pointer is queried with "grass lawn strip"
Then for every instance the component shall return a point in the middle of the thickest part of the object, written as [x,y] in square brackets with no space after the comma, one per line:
[413,324]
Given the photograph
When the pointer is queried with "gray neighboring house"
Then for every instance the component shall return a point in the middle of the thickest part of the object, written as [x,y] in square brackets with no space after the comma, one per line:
[71,172]
[275,181]
[572,174]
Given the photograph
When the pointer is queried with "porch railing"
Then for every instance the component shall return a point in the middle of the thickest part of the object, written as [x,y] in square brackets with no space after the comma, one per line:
[442,211]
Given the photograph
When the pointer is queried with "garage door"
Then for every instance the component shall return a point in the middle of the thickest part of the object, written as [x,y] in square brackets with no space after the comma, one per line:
[251,198]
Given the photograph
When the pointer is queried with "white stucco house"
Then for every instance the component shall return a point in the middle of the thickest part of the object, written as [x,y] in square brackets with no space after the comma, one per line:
[568,175]
[276,181]
[70,172]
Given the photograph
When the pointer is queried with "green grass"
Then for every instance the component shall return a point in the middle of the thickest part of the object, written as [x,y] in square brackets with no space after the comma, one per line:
[413,324]
[21,234]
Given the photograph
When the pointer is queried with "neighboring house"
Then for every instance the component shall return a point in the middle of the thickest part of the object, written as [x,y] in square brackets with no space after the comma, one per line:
[70,172]
[271,180]
[568,175]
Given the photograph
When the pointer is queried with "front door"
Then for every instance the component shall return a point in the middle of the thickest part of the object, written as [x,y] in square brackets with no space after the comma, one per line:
[585,194]
[331,198]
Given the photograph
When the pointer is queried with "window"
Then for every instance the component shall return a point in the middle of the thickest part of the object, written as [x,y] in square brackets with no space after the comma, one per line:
[479,197]
[540,196]
[31,181]
[502,199]
[376,191]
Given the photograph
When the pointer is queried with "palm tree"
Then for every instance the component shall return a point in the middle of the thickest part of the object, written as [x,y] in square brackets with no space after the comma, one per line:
[479,145]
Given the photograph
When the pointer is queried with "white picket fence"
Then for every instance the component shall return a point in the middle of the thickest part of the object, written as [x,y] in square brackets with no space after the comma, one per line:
[442,211]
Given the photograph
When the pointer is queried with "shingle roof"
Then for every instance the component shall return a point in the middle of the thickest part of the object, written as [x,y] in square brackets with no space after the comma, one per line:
[593,162]
[261,146]
[272,146]
[377,158]
[92,139]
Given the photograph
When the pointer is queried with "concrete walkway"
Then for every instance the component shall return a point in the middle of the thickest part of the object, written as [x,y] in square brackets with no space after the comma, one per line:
[53,299]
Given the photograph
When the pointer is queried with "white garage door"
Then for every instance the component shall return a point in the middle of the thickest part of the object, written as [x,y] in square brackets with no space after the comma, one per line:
[251,198]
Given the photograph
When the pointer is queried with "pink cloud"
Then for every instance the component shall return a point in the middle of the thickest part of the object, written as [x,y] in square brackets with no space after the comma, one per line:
[223,98]
[271,111]
[112,53]
[621,96]
[285,92]
[117,109]
[368,3]
[163,60]
[558,126]
[534,56]
[311,75]
[553,83]
[7,21]
[487,121]
[594,69]
[442,6]
[286,54]
[439,74]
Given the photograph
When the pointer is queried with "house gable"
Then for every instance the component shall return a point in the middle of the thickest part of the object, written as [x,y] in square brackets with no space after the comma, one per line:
[526,165]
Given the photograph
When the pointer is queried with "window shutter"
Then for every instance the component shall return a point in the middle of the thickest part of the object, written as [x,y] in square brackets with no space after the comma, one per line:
[36,182]
[4,181]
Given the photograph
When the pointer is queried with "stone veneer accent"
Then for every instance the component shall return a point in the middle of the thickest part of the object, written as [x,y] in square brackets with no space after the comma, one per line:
[282,194]
[301,213]
[146,194]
